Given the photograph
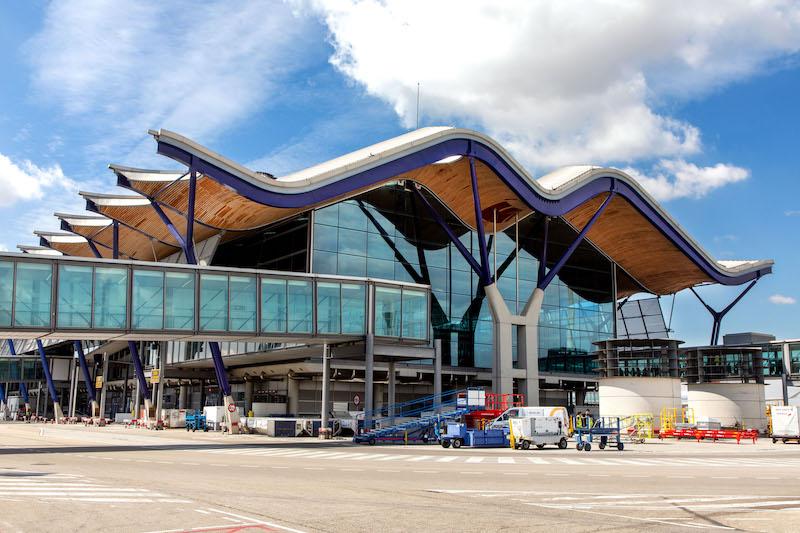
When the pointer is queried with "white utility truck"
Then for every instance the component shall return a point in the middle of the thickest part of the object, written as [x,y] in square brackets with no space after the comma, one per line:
[538,431]
[524,412]
[785,423]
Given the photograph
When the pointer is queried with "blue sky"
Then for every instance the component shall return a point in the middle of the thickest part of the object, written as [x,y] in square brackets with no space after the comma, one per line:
[701,106]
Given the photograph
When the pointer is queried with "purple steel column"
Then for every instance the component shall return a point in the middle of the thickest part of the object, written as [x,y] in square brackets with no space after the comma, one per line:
[85,370]
[137,366]
[190,254]
[219,367]
[717,316]
[172,229]
[542,284]
[47,375]
[543,259]
[115,239]
[453,238]
[94,249]
[486,278]
[23,389]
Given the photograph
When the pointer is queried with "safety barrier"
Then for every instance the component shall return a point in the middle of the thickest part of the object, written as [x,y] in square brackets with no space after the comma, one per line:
[712,434]
[638,427]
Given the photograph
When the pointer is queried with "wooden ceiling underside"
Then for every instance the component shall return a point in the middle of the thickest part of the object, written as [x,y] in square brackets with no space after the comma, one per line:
[621,232]
[636,245]
[132,244]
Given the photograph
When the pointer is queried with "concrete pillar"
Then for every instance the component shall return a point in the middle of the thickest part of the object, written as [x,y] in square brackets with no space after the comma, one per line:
[369,369]
[183,396]
[137,398]
[292,396]
[437,374]
[160,396]
[104,387]
[249,387]
[325,407]
[503,364]
[528,347]
[392,396]
[71,399]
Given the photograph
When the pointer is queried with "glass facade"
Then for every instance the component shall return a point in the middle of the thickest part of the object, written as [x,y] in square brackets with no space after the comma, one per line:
[32,295]
[6,291]
[74,296]
[148,299]
[388,234]
[794,354]
[179,301]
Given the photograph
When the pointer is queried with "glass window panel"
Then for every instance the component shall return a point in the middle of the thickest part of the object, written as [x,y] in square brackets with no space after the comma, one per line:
[387,312]
[415,314]
[352,242]
[300,308]
[179,301]
[213,302]
[352,265]
[273,305]
[74,296]
[351,216]
[324,262]
[6,291]
[148,299]
[353,308]
[328,308]
[243,303]
[378,248]
[32,298]
[327,215]
[325,238]
[380,268]
[110,297]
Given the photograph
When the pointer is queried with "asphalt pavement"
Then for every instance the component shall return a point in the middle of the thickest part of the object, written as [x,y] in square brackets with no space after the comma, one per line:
[70,478]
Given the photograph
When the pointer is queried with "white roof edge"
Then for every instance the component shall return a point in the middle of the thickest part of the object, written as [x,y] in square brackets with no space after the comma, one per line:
[118,200]
[141,174]
[94,221]
[553,186]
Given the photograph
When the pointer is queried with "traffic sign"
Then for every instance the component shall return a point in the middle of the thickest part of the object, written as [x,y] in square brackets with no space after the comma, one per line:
[356,400]
[155,376]
[231,407]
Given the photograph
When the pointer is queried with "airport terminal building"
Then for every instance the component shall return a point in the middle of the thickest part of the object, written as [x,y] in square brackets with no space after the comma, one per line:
[430,261]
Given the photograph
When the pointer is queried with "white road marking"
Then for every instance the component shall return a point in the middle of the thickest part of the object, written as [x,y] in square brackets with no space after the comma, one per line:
[474,459]
[419,458]
[506,460]
[253,520]
[538,461]
[447,459]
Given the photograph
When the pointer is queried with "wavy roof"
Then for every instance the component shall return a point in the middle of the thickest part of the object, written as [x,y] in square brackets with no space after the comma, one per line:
[634,231]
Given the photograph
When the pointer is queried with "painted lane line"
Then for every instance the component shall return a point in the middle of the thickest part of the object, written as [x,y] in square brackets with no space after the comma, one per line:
[538,461]
[474,460]
[392,458]
[506,460]
[419,458]
[447,459]
[253,520]
[425,471]
[569,461]
[640,519]
[471,473]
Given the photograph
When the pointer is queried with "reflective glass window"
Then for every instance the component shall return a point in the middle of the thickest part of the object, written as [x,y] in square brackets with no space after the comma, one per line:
[179,301]
[74,296]
[387,311]
[32,297]
[110,297]
[273,305]
[328,308]
[243,303]
[415,314]
[148,299]
[353,308]
[213,302]
[300,308]
[6,291]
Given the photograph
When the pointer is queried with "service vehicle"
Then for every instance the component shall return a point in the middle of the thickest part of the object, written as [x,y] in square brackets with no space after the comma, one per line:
[785,423]
[524,412]
[538,431]
[458,435]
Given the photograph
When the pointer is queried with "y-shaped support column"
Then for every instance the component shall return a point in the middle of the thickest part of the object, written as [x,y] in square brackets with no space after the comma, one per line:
[58,414]
[23,389]
[86,378]
[186,242]
[717,316]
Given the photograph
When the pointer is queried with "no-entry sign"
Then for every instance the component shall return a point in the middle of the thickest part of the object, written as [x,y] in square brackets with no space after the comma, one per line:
[231,407]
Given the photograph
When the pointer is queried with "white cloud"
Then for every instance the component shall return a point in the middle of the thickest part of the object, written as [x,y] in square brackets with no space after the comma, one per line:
[792,213]
[23,180]
[197,68]
[780,299]
[670,179]
[563,84]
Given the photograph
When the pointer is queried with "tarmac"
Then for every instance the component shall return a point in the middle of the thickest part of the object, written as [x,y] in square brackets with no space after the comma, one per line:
[69,478]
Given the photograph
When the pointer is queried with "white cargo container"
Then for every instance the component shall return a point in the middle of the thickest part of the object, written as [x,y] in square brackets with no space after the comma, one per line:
[538,431]
[525,412]
[785,423]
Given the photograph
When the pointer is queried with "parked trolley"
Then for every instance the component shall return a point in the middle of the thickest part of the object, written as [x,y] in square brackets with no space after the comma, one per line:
[606,431]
